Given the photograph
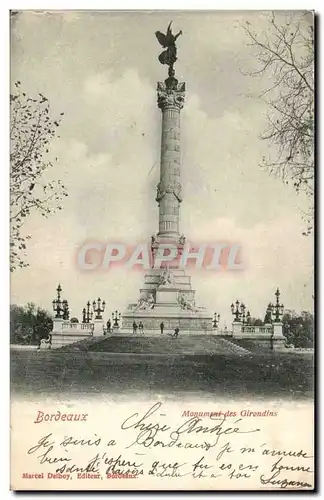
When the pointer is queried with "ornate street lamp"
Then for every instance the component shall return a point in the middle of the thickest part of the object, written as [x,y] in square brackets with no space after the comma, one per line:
[84,312]
[57,303]
[116,318]
[278,308]
[216,320]
[87,315]
[236,311]
[243,308]
[98,308]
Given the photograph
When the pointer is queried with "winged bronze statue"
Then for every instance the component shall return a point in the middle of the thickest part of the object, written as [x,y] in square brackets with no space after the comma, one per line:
[168,56]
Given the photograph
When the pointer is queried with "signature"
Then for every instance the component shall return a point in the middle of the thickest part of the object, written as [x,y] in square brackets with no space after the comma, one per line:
[151,433]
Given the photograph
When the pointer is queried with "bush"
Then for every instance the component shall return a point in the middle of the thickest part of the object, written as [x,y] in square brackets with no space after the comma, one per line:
[299,329]
[29,324]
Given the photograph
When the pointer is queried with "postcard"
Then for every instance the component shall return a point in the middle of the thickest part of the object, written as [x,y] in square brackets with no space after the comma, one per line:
[162,250]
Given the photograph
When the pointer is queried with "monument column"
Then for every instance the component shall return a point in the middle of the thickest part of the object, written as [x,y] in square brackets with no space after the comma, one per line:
[167,294]
[171,96]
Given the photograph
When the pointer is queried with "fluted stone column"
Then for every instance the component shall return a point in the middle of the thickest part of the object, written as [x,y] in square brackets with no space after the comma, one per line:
[171,96]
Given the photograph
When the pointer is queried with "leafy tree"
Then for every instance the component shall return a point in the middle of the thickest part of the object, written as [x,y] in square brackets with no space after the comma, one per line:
[267,318]
[256,322]
[31,131]
[20,332]
[299,329]
[284,56]
[29,324]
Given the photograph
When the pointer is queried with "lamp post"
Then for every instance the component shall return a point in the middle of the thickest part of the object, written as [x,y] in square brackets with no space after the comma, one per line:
[236,311]
[216,320]
[275,313]
[87,315]
[243,308]
[116,318]
[98,308]
[278,308]
[57,303]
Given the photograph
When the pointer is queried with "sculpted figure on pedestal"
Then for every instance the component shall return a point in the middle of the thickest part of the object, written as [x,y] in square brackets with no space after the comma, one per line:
[145,302]
[182,240]
[166,277]
[185,304]
[177,190]
[45,344]
[160,191]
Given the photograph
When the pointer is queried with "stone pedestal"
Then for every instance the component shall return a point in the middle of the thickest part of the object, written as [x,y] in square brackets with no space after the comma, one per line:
[65,332]
[237,329]
[115,329]
[98,327]
[277,331]
[188,323]
[57,325]
[278,339]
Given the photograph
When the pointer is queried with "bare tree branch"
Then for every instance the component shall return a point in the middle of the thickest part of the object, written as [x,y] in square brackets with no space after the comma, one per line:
[285,55]
[31,131]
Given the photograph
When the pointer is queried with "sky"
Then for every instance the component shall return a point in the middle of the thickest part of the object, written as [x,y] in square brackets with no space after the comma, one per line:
[100,69]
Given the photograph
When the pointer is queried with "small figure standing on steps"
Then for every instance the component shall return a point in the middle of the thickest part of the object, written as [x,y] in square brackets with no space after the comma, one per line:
[108,326]
[161,327]
[176,333]
[141,328]
[134,328]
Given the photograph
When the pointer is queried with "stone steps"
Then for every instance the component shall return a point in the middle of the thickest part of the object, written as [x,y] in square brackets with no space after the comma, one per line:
[252,345]
[83,345]
[165,344]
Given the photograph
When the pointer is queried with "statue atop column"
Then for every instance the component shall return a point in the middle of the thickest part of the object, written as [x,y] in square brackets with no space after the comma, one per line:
[168,56]
[170,92]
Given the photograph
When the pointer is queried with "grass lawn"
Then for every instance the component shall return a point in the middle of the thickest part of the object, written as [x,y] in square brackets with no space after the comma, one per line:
[63,373]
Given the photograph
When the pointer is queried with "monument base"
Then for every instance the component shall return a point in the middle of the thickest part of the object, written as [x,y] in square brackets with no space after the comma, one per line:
[279,343]
[188,323]
[166,298]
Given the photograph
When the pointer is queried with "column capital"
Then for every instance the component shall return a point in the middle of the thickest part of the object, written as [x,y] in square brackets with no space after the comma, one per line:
[171,94]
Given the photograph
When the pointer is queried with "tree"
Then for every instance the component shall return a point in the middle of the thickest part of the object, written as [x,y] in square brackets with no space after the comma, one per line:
[268,317]
[31,131]
[29,324]
[285,59]
[299,329]
[255,322]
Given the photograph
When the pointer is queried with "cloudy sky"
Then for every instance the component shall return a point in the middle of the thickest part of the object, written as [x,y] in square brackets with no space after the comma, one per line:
[100,69]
